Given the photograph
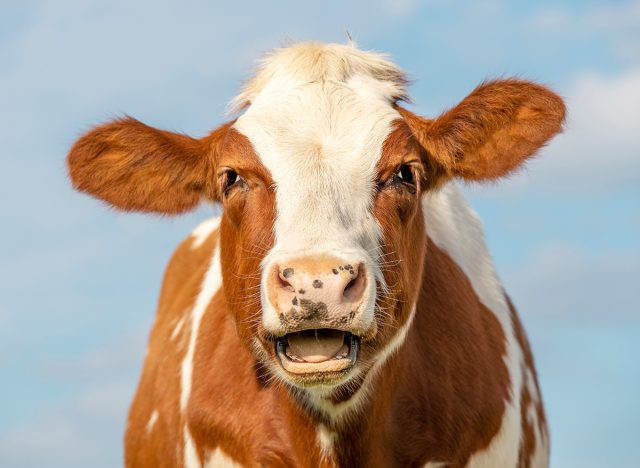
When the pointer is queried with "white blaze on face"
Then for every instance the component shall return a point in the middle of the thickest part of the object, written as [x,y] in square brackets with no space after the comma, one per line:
[318,118]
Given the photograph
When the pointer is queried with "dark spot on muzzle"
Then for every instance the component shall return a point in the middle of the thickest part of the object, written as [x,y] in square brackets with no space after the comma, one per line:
[294,301]
[318,312]
[313,310]
[317,284]
[335,272]
[301,291]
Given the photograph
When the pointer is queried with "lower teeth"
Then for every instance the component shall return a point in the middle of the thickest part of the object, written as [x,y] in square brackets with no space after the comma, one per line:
[295,358]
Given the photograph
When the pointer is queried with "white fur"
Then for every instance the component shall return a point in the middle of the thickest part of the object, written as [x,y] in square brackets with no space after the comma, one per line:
[456,229]
[191,459]
[317,118]
[152,421]
[202,232]
[210,285]
[326,439]
[540,457]
[316,61]
[178,328]
[218,459]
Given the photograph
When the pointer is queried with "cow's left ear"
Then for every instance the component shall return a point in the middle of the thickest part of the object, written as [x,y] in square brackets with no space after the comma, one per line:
[492,131]
[135,167]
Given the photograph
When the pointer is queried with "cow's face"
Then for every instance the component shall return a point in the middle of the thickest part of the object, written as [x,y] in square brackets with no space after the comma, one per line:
[322,237]
[321,177]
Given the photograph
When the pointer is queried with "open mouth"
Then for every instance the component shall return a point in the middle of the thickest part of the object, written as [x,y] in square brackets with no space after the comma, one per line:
[317,351]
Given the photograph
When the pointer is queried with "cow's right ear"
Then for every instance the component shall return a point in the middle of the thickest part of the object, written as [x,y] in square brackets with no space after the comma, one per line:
[134,167]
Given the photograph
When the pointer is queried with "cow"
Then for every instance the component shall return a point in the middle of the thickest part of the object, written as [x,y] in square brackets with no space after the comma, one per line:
[344,309]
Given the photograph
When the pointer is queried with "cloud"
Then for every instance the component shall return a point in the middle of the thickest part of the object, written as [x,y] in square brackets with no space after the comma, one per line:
[618,17]
[564,281]
[615,17]
[612,25]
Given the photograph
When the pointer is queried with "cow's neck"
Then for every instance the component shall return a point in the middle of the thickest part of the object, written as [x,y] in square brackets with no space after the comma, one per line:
[348,428]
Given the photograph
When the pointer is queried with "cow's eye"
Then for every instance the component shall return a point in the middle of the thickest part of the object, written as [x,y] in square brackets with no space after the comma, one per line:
[231,179]
[404,175]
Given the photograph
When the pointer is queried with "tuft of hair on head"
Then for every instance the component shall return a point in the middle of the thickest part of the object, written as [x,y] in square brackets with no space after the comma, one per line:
[350,41]
[308,62]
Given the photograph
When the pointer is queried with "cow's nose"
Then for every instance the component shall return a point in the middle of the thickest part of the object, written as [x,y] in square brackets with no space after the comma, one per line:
[345,282]
[323,290]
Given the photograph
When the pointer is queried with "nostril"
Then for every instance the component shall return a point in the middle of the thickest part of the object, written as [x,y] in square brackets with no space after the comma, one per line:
[282,278]
[349,287]
[354,290]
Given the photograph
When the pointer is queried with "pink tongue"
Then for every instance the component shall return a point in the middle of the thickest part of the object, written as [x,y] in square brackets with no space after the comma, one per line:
[316,345]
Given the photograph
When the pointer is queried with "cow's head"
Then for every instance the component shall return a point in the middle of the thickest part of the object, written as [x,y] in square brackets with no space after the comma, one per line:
[320,179]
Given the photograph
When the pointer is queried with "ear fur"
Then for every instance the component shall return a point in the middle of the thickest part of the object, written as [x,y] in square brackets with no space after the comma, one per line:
[134,167]
[492,131]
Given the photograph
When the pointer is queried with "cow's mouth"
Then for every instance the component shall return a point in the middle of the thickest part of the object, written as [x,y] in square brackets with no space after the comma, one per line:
[317,351]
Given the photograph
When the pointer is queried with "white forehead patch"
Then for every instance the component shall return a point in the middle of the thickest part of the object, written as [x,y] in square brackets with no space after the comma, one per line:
[317,116]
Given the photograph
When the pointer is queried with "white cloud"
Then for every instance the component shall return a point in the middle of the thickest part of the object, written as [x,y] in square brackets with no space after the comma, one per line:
[615,17]
[562,280]
[613,25]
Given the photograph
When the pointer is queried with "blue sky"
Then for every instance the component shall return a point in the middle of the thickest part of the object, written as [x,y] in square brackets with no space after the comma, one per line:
[78,281]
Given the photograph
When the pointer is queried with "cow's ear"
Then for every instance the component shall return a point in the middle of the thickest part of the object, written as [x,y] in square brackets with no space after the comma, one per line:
[135,167]
[492,131]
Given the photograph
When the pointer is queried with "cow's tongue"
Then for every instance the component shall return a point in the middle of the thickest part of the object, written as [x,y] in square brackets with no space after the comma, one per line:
[316,345]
